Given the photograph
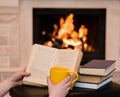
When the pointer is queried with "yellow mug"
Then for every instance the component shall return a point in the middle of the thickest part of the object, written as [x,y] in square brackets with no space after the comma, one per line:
[57,74]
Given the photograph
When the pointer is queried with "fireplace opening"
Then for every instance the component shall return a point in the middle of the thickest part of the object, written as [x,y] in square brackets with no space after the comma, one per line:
[70,28]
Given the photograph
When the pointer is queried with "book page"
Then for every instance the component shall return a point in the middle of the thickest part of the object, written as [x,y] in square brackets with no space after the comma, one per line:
[67,58]
[40,61]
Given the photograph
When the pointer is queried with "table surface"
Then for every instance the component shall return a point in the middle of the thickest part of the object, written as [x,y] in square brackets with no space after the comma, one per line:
[110,90]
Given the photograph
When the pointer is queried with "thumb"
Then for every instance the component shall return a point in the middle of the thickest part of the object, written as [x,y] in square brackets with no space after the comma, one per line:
[49,81]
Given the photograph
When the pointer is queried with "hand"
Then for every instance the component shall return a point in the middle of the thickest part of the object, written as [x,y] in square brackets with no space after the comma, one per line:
[16,78]
[59,90]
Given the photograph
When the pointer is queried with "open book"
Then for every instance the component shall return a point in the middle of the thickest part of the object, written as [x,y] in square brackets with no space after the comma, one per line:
[44,57]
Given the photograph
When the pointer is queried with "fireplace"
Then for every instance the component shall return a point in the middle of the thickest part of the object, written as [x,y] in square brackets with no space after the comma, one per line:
[48,22]
[112,28]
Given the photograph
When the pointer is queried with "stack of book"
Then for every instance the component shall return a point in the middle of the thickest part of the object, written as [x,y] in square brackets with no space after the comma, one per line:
[95,74]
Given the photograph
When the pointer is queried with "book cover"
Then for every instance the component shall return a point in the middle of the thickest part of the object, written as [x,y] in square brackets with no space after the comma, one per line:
[98,67]
[42,58]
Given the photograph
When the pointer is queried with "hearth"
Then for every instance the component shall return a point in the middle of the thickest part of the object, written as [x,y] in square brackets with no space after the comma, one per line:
[49,24]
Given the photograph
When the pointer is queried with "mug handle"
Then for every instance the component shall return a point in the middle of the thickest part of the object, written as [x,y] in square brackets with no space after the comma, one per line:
[75,73]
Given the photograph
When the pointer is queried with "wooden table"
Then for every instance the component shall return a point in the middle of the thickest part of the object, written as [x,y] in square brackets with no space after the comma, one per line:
[110,90]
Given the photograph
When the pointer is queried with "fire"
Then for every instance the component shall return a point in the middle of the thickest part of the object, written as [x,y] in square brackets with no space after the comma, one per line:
[67,37]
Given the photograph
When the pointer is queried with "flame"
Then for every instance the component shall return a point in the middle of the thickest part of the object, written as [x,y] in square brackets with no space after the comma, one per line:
[68,36]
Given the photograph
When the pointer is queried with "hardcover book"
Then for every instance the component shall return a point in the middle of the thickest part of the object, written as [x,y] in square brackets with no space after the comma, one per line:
[42,58]
[93,78]
[92,85]
[98,67]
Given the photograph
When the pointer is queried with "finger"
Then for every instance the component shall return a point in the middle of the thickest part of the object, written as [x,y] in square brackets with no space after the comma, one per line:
[27,73]
[67,79]
[68,89]
[24,68]
[19,83]
[49,81]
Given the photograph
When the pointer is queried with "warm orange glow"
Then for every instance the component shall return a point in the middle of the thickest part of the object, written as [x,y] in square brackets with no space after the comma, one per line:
[48,43]
[70,37]
[43,33]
